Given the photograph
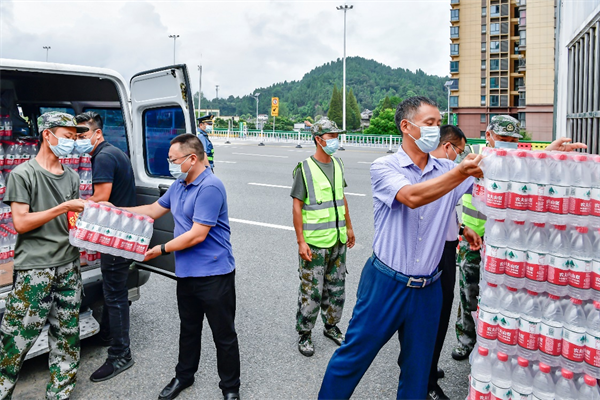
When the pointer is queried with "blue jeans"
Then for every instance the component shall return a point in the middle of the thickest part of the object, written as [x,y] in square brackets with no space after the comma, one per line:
[385,306]
[115,317]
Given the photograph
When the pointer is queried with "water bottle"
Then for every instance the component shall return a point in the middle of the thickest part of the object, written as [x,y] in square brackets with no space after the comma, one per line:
[592,342]
[508,322]
[580,201]
[595,284]
[558,266]
[9,156]
[144,233]
[522,380]
[565,387]
[516,255]
[495,251]
[129,243]
[519,187]
[487,316]
[501,377]
[589,390]
[543,384]
[550,343]
[536,266]
[559,189]
[74,160]
[478,199]
[580,271]
[8,126]
[496,185]
[529,326]
[98,227]
[574,336]
[481,375]
[538,184]
[595,192]
[1,158]
[85,160]
[107,234]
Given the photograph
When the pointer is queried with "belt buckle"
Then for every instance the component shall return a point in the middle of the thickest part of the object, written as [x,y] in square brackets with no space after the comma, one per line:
[421,281]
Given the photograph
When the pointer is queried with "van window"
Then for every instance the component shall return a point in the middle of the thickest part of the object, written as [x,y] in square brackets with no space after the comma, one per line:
[67,110]
[114,127]
[160,126]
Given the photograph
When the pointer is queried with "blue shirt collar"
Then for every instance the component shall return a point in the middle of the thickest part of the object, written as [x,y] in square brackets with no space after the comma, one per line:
[405,161]
[199,179]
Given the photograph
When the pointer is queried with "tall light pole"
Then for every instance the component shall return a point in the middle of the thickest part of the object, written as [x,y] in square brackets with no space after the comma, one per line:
[174,37]
[256,98]
[217,87]
[448,84]
[345,7]
[199,88]
[47,48]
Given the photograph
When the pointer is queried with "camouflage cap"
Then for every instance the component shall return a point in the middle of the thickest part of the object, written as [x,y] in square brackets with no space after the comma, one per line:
[505,125]
[54,119]
[323,126]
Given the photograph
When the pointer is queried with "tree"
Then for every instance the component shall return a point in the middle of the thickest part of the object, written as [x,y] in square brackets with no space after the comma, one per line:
[335,106]
[384,124]
[352,112]
[386,103]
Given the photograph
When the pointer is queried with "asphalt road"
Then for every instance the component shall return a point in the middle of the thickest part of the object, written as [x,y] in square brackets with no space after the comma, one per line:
[267,284]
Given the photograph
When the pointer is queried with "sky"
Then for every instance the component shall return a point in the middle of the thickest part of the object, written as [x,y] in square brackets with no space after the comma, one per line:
[241,45]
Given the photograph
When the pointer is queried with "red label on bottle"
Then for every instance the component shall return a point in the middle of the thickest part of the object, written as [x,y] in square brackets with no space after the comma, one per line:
[580,202]
[595,202]
[592,350]
[558,273]
[518,196]
[558,199]
[487,323]
[515,263]
[479,390]
[580,273]
[550,339]
[529,333]
[507,329]
[536,268]
[494,259]
[573,346]
[537,198]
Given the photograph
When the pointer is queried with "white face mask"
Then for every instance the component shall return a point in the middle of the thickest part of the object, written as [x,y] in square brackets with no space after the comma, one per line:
[430,137]
[175,170]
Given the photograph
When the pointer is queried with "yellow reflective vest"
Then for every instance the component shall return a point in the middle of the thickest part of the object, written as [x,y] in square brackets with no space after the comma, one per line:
[324,211]
[470,216]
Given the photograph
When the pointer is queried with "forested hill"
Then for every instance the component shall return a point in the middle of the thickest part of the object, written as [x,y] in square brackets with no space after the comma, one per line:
[370,80]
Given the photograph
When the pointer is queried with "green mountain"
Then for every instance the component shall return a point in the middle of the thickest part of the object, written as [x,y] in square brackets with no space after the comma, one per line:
[370,80]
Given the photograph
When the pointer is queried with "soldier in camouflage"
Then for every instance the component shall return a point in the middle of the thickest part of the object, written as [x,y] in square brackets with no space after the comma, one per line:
[324,232]
[47,286]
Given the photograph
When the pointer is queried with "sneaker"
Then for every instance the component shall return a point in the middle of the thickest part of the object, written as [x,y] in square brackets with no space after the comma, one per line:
[334,334]
[111,368]
[436,393]
[305,345]
[461,353]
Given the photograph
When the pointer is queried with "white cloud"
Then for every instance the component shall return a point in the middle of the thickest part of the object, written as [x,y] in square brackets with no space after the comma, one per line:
[241,44]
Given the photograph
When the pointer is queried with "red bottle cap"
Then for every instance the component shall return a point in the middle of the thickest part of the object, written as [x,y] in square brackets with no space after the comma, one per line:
[539,224]
[538,154]
[582,229]
[501,152]
[502,356]
[511,289]
[483,351]
[522,362]
[553,297]
[559,156]
[117,211]
[127,214]
[531,292]
[139,217]
[580,157]
[519,222]
[597,304]
[492,284]
[545,368]
[576,301]
[520,153]
[566,373]
[589,380]
[560,227]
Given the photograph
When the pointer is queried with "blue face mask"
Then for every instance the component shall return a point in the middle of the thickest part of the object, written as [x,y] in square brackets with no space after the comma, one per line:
[430,137]
[176,172]
[332,145]
[506,145]
[63,148]
[83,146]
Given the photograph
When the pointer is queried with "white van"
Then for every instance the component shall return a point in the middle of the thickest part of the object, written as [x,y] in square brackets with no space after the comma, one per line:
[140,118]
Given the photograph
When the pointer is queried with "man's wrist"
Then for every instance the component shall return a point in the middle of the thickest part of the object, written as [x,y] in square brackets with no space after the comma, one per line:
[163,250]
[461,230]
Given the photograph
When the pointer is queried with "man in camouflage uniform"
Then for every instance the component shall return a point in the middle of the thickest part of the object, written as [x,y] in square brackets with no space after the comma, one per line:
[47,284]
[323,231]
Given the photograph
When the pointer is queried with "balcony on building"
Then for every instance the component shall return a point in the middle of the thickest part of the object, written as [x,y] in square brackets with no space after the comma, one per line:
[454,85]
[522,102]
[522,64]
[454,2]
[454,15]
[521,3]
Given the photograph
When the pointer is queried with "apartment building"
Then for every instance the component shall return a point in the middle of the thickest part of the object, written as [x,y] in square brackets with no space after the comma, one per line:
[502,62]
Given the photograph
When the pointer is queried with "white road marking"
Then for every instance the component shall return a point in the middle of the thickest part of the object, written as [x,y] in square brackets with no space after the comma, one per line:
[259,155]
[226,162]
[289,187]
[243,221]
[365,162]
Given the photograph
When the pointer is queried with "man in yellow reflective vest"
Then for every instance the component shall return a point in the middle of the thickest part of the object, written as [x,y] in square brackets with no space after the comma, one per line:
[323,231]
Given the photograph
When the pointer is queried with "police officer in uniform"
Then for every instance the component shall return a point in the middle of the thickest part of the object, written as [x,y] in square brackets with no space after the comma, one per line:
[205,124]
[503,132]
[323,231]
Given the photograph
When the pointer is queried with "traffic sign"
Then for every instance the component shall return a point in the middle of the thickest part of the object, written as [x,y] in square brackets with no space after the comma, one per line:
[274,106]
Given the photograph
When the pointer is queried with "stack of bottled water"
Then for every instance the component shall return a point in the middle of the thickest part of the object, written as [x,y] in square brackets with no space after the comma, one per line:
[112,231]
[538,319]
[8,239]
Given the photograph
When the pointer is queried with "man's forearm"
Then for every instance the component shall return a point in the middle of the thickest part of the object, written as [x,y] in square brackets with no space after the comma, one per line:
[30,221]
[347,215]
[297,219]
[423,193]
[184,241]
[147,209]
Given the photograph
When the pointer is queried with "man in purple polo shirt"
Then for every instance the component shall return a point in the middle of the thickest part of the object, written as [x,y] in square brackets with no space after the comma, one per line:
[204,265]
[414,196]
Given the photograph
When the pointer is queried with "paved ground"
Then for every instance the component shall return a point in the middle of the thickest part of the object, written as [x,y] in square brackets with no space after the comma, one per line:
[267,280]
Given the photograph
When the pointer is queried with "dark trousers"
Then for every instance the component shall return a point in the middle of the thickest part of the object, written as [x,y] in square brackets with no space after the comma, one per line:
[115,316]
[213,296]
[448,280]
[385,306]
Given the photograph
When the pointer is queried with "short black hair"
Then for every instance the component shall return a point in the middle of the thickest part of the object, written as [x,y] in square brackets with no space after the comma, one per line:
[409,107]
[451,133]
[190,143]
[90,116]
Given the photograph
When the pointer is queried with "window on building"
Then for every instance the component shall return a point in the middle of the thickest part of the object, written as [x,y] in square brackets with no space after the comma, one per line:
[454,31]
[483,11]
[483,100]
[494,11]
[453,101]
[494,84]
[454,15]
[504,64]
[483,118]
[481,134]
[482,82]
[522,37]
[494,100]
[495,29]
[160,126]
[522,17]
[454,49]
[483,28]
[482,46]
[482,64]
[494,65]
[494,46]
[453,66]
[503,101]
[521,117]
[454,85]
[504,82]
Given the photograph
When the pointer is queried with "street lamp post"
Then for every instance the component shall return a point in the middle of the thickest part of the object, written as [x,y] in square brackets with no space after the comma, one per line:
[199,89]
[47,48]
[448,84]
[217,86]
[345,7]
[256,98]
[174,37]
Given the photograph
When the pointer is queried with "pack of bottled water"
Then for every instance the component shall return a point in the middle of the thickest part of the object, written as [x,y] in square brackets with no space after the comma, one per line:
[110,230]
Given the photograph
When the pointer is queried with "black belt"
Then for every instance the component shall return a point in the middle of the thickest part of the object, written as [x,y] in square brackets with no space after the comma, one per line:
[415,282]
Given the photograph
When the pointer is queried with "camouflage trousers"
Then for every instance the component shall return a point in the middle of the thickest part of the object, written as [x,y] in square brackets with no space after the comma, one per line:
[322,286]
[468,262]
[40,295]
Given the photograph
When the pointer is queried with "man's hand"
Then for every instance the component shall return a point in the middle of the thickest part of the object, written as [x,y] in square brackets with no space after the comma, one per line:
[351,238]
[470,165]
[473,238]
[153,253]
[75,205]
[304,251]
[563,144]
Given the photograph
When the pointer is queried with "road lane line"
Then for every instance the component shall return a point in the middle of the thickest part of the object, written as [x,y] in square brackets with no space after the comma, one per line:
[243,221]
[365,162]
[225,162]
[289,187]
[259,155]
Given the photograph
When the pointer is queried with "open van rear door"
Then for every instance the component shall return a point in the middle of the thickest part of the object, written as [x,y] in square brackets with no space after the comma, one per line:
[161,108]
